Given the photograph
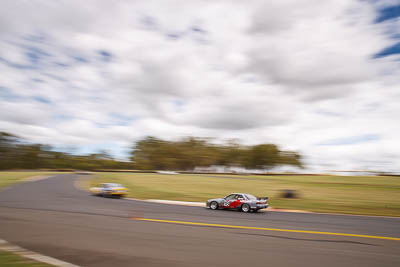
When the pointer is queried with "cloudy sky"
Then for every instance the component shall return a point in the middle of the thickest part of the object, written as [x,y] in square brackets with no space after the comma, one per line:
[318,77]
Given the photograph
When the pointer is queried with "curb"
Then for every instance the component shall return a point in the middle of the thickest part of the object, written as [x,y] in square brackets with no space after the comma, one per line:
[37,178]
[202,204]
[5,246]
[171,202]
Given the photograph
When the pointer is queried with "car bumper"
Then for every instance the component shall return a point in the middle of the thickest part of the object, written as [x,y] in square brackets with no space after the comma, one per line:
[264,206]
[117,193]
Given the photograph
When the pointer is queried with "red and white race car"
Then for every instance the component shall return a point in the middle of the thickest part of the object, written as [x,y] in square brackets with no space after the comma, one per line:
[238,201]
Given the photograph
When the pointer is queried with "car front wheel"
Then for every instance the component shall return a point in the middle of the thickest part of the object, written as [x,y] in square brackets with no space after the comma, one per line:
[214,205]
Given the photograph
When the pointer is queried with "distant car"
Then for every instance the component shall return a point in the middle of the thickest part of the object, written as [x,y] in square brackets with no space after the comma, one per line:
[109,190]
[238,201]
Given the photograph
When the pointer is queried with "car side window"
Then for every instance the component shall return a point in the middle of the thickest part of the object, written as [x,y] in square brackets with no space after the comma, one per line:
[230,197]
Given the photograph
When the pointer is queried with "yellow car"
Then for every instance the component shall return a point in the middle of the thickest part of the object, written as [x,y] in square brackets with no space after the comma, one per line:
[109,190]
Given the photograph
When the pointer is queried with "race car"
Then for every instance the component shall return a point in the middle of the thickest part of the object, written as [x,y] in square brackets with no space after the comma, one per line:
[109,190]
[238,201]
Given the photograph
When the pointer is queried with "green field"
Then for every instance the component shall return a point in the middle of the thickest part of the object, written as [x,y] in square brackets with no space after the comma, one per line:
[8,259]
[367,195]
[10,178]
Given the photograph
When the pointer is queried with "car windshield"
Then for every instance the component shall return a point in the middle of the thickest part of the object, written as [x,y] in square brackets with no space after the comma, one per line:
[115,185]
[251,197]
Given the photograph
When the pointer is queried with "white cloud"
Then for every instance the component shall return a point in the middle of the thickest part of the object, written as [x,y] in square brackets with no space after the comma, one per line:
[299,74]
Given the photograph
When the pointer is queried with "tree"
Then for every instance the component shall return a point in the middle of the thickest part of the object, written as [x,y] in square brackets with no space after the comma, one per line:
[290,158]
[16,154]
[8,155]
[264,156]
[152,153]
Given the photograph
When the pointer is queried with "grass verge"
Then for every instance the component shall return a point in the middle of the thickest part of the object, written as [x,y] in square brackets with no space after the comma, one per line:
[8,178]
[8,259]
[363,195]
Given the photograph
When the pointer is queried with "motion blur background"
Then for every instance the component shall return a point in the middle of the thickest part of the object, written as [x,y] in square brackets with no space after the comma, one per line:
[181,102]
[317,79]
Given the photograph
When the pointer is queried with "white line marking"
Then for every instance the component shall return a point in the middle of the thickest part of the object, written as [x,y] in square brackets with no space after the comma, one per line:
[5,246]
[36,178]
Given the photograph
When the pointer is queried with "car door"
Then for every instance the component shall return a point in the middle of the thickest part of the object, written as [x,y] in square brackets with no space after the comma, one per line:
[103,188]
[237,202]
[228,200]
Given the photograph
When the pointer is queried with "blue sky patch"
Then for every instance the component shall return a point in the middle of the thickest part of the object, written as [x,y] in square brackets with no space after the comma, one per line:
[41,99]
[33,57]
[80,59]
[388,13]
[174,36]
[198,29]
[54,77]
[16,65]
[392,50]
[105,55]
[37,38]
[8,95]
[122,120]
[34,54]
[385,14]
[148,21]
[329,113]
[116,150]
[352,140]
[116,120]
[62,117]
[179,102]
[60,64]
[37,80]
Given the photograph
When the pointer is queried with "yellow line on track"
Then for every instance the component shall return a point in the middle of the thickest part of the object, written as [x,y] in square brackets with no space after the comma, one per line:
[264,229]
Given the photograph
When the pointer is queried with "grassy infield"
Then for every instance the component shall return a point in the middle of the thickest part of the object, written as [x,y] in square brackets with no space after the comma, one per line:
[8,259]
[367,195]
[10,178]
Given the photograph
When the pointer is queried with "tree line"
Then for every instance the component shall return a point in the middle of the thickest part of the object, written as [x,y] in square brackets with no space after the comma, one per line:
[149,153]
[152,153]
[15,153]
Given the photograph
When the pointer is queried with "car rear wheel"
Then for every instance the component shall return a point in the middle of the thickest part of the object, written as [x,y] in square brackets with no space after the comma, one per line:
[245,208]
[214,205]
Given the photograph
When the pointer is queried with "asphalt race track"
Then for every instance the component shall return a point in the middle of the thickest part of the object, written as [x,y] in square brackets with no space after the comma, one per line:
[54,218]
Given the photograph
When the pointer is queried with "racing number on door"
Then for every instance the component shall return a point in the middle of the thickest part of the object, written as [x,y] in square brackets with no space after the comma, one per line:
[231,201]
